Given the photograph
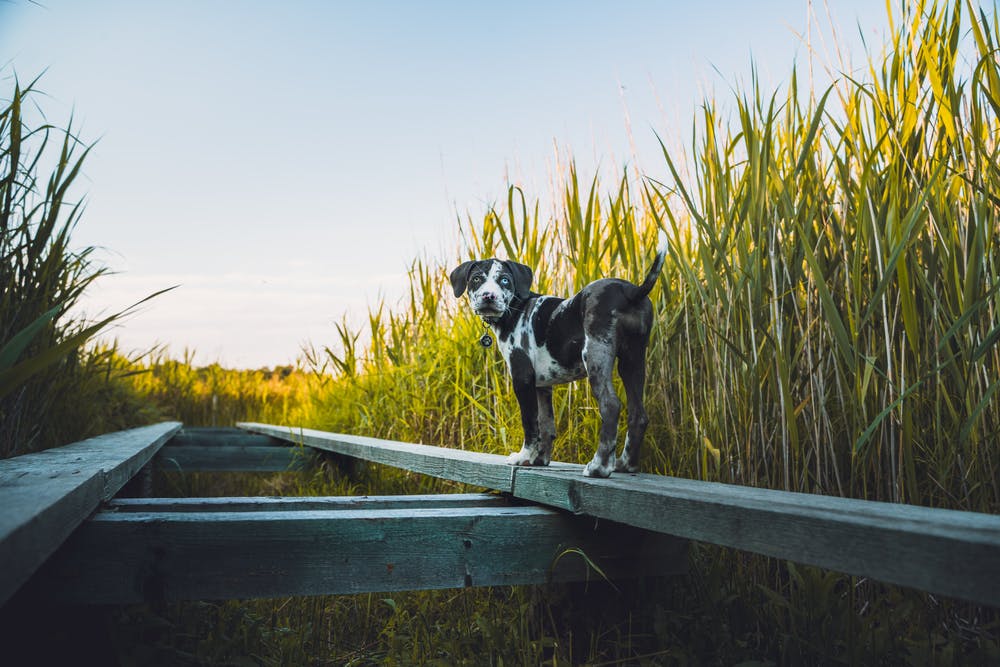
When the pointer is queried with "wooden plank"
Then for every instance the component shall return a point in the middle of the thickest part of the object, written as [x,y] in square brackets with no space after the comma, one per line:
[46,495]
[230,458]
[285,504]
[222,437]
[940,551]
[176,555]
[478,469]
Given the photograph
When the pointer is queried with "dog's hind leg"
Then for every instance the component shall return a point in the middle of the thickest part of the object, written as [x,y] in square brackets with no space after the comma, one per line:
[632,369]
[598,357]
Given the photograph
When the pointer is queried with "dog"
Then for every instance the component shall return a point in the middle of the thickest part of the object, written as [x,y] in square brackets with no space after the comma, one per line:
[547,340]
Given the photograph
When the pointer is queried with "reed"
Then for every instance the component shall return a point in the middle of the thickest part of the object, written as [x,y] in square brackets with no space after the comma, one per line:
[827,319]
[45,375]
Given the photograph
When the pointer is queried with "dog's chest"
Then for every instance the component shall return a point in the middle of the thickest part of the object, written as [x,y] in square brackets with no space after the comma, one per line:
[528,345]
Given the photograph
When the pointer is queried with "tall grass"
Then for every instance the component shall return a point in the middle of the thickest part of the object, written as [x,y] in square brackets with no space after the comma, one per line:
[828,316]
[49,388]
[840,277]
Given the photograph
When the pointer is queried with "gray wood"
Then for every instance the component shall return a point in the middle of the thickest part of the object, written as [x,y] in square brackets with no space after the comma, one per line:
[231,458]
[284,503]
[475,468]
[46,495]
[940,551]
[211,436]
[164,556]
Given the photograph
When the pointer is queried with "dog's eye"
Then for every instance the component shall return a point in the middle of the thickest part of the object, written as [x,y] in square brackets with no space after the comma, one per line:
[505,281]
[476,280]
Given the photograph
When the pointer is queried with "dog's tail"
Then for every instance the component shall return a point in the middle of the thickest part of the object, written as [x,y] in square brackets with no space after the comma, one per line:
[654,271]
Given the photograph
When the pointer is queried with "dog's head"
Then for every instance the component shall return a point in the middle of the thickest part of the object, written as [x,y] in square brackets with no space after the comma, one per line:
[492,284]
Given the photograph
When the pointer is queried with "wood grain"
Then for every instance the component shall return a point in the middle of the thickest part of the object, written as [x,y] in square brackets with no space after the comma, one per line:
[174,555]
[231,458]
[940,551]
[478,469]
[46,495]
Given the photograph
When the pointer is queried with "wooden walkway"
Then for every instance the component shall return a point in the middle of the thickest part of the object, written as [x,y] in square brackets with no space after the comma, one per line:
[940,551]
[65,537]
[47,495]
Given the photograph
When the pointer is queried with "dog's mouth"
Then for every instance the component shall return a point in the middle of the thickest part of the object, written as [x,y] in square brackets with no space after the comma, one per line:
[488,310]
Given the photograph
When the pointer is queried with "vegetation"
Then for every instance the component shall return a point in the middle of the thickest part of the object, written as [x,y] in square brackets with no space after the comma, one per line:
[42,369]
[828,323]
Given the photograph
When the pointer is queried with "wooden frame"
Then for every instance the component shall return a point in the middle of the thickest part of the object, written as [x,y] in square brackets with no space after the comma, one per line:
[940,551]
[264,547]
[46,495]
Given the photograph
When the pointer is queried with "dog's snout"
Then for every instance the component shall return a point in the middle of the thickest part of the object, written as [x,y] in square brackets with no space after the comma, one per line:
[489,296]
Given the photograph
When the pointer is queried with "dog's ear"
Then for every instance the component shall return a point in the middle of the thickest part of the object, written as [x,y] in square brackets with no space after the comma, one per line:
[522,278]
[460,277]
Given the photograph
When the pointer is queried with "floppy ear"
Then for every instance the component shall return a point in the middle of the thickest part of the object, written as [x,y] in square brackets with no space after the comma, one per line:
[460,277]
[522,278]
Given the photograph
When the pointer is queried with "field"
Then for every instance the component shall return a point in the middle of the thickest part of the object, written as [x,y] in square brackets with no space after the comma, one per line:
[827,323]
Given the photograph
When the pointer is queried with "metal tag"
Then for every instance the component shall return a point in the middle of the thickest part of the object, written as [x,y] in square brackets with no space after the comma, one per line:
[486,340]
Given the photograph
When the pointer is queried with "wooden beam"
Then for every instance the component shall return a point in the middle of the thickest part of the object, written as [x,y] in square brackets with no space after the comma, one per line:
[46,495]
[363,546]
[940,551]
[475,468]
[285,504]
[222,437]
[230,458]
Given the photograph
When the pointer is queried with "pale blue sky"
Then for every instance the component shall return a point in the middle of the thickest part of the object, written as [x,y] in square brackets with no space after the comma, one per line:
[286,161]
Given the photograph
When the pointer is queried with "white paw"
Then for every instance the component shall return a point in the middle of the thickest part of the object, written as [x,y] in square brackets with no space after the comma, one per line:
[521,458]
[595,469]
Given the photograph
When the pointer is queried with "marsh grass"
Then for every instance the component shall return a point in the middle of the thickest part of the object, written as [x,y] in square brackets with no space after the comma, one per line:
[52,388]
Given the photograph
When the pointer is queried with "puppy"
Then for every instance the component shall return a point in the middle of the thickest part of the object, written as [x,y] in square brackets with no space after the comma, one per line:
[547,340]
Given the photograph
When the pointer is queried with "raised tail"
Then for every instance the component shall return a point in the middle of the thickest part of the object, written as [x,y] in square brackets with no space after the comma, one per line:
[654,271]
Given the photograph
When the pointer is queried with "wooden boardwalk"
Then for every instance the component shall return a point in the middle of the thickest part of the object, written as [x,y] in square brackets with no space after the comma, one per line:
[66,538]
[940,551]
[47,495]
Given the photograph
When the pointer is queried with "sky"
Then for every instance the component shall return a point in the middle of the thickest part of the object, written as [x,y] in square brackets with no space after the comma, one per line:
[286,162]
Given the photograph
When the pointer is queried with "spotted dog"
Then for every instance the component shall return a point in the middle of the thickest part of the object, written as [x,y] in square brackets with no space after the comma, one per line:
[547,340]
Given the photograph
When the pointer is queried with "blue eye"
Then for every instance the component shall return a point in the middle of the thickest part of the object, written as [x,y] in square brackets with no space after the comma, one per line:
[505,281]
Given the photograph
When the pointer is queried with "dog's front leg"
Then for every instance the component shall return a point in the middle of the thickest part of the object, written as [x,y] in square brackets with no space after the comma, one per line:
[531,453]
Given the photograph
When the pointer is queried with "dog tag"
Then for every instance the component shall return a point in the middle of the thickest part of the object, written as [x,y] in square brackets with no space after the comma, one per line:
[486,340]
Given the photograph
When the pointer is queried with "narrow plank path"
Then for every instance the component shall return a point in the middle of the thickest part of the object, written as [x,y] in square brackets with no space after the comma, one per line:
[237,548]
[46,495]
[941,551]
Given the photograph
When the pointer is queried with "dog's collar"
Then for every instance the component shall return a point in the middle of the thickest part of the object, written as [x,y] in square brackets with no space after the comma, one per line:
[486,340]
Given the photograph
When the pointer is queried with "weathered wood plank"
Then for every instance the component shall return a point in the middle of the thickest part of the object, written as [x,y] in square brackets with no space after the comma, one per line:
[211,436]
[478,469]
[164,556]
[940,551]
[285,503]
[46,495]
[230,458]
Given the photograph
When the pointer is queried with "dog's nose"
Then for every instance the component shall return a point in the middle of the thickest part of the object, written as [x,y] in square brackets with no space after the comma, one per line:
[488,296]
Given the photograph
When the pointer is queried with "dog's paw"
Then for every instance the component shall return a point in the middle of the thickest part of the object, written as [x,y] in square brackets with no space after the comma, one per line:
[596,469]
[521,458]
